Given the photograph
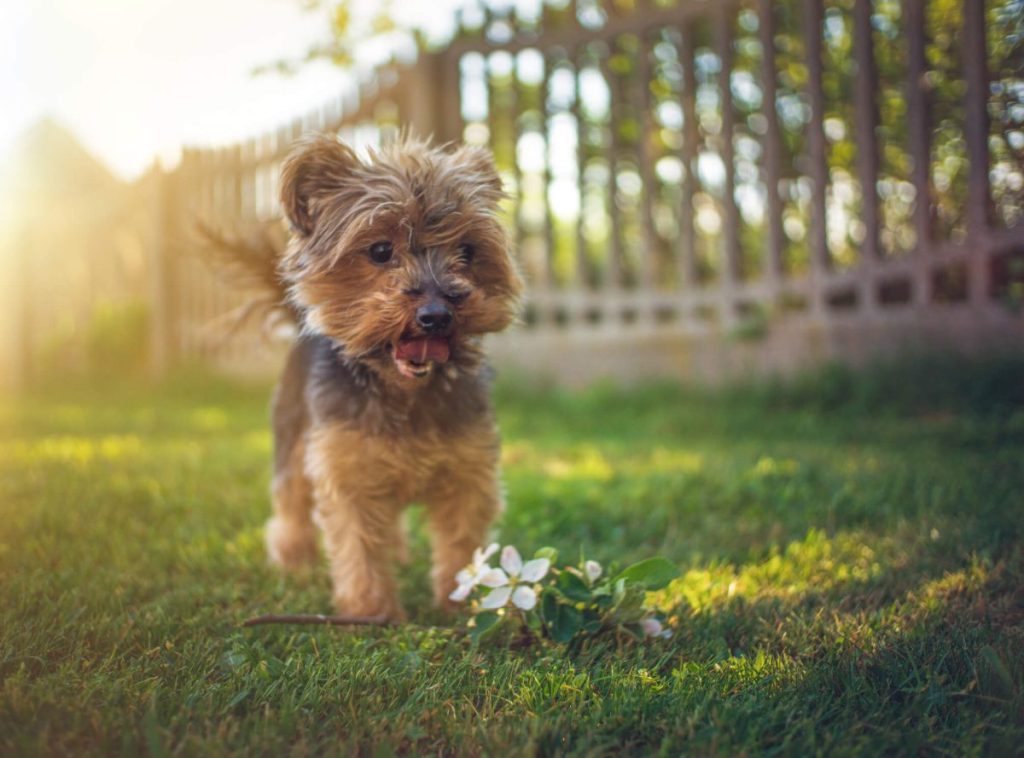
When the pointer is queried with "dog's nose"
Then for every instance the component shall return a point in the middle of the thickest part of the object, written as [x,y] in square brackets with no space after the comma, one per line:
[434,316]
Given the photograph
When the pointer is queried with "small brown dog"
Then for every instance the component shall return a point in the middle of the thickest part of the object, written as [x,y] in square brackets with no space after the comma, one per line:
[396,267]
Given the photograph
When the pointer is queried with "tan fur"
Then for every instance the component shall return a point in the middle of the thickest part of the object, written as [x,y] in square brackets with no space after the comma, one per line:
[291,538]
[357,440]
[362,486]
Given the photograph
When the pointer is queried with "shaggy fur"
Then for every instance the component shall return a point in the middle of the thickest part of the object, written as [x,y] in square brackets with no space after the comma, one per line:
[374,410]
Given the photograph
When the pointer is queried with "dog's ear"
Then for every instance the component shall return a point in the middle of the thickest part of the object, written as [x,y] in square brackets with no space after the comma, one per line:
[317,167]
[475,167]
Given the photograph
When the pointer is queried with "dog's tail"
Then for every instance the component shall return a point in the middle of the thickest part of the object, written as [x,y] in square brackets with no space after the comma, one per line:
[248,262]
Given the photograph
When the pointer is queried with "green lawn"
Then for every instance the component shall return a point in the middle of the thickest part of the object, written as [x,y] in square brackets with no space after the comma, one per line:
[853,579]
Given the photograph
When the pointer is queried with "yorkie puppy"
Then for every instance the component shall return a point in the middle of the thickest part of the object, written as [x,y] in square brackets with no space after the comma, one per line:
[396,266]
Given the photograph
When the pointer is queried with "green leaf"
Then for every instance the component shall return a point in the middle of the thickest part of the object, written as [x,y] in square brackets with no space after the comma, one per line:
[620,591]
[566,624]
[653,573]
[573,587]
[549,607]
[486,624]
[547,552]
[591,621]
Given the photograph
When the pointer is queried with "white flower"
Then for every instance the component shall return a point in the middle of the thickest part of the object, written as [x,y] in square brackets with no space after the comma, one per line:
[593,570]
[652,628]
[510,581]
[474,573]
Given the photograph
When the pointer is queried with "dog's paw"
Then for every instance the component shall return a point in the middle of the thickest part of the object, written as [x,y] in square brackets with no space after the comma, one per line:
[448,606]
[389,609]
[291,545]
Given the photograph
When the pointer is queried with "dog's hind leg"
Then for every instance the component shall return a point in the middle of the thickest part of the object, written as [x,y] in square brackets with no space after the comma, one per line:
[291,534]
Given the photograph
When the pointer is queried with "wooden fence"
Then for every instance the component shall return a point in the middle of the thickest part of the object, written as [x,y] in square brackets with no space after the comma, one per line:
[697,188]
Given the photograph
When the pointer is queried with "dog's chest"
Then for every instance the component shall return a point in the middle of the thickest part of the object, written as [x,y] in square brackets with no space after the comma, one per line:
[403,468]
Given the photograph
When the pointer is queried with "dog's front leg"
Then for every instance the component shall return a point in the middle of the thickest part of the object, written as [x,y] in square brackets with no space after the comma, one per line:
[462,508]
[360,535]
[360,521]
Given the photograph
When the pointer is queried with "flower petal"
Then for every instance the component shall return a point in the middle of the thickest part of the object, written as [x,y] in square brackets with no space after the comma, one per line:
[496,598]
[465,576]
[535,570]
[493,578]
[488,551]
[460,593]
[593,570]
[510,560]
[651,627]
[524,597]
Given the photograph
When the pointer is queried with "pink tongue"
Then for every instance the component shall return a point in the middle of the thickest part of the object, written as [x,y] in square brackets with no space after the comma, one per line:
[423,349]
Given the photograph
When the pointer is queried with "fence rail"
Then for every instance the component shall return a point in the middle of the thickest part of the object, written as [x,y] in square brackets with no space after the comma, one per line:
[765,171]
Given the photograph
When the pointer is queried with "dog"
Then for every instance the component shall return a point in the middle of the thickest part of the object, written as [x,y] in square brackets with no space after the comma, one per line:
[396,266]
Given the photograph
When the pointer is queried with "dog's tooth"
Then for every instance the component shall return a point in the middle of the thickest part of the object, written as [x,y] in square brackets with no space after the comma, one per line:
[423,351]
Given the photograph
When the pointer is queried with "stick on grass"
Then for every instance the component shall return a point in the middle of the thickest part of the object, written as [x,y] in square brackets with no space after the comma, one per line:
[316,618]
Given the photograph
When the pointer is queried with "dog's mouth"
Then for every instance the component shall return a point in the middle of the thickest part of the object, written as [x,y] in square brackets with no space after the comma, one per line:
[415,357]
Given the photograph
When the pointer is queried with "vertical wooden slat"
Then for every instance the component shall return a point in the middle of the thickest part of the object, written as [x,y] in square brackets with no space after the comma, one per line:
[488,15]
[269,203]
[818,171]
[237,181]
[642,104]
[581,165]
[919,139]
[976,134]
[772,142]
[513,116]
[25,335]
[613,277]
[549,225]
[247,205]
[184,292]
[205,301]
[448,97]
[234,348]
[731,269]
[865,123]
[691,137]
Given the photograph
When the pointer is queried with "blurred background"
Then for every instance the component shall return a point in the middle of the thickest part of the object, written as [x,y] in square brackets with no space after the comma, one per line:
[698,190]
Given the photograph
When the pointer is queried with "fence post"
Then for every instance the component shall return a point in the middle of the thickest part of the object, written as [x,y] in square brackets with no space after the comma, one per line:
[419,106]
[772,145]
[919,137]
[865,119]
[161,272]
[820,261]
[21,347]
[976,132]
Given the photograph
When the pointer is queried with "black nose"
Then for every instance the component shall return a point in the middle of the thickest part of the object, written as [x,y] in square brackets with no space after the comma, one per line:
[434,316]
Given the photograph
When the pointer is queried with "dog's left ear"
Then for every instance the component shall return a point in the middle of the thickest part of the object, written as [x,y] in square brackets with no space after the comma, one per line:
[316,168]
[475,166]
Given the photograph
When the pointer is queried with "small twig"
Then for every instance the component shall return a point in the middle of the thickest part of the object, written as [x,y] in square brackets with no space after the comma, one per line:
[316,618]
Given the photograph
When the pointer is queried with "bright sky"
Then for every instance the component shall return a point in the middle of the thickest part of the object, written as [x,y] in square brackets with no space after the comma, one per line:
[138,78]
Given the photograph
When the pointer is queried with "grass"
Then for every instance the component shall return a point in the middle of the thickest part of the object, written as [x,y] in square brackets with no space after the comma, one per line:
[852,579]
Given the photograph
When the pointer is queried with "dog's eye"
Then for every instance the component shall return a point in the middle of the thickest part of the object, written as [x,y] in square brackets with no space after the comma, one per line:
[466,253]
[381,252]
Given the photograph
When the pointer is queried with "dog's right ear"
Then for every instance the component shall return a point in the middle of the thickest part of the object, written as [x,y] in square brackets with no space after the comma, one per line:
[317,167]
